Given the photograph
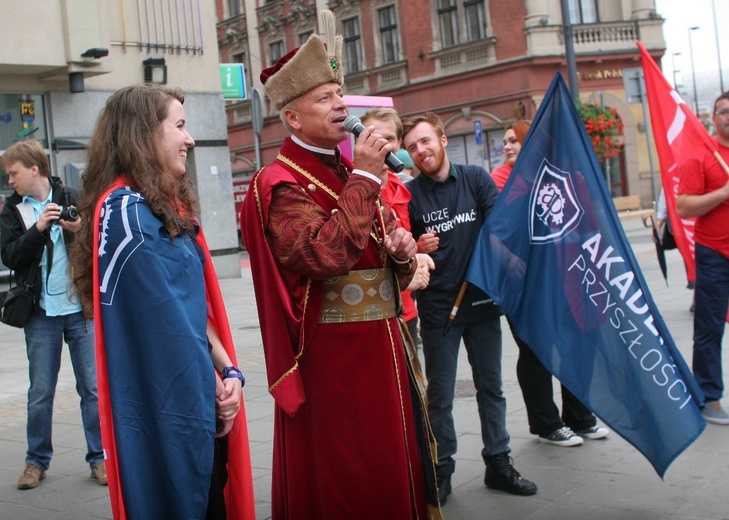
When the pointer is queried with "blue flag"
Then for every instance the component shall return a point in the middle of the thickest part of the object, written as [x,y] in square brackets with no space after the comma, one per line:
[554,255]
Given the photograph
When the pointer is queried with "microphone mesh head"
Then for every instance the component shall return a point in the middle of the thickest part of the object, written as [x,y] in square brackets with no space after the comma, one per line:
[351,122]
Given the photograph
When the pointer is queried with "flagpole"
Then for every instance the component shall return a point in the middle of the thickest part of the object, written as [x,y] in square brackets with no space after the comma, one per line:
[721,161]
[649,132]
[718,51]
[454,311]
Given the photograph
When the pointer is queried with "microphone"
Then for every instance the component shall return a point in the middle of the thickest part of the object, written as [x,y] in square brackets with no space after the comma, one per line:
[353,125]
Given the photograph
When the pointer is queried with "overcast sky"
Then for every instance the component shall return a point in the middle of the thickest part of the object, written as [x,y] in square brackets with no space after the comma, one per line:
[680,15]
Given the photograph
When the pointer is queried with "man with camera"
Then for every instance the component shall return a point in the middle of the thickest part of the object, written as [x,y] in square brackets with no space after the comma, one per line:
[37,225]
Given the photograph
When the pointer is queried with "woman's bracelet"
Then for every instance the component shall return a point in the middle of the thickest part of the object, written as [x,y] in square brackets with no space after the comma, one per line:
[233,372]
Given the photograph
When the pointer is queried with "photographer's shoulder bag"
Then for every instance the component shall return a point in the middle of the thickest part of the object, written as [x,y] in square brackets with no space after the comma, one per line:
[17,308]
[18,303]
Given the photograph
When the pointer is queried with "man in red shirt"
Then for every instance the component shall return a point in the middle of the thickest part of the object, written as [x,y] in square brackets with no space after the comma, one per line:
[704,193]
[388,124]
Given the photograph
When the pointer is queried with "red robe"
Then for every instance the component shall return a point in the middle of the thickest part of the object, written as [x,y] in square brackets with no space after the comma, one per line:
[346,441]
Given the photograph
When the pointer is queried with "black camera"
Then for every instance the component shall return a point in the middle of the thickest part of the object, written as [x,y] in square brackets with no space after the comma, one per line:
[68,213]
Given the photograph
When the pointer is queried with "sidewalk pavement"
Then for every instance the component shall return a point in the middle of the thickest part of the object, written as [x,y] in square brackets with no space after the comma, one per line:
[604,479]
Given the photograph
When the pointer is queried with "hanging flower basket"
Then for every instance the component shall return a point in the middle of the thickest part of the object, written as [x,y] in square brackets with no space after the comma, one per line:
[604,126]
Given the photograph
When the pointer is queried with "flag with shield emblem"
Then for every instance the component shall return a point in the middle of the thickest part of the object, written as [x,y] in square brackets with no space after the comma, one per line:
[553,254]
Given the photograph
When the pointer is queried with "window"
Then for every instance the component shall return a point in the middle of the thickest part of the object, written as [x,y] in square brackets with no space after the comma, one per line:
[275,51]
[352,45]
[233,8]
[614,170]
[448,20]
[388,35]
[583,11]
[475,19]
[21,116]
[241,58]
[303,37]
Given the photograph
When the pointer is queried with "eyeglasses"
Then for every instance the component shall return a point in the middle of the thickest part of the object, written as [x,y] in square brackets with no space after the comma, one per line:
[722,113]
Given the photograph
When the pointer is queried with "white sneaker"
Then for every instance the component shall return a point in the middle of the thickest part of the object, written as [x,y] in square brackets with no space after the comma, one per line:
[563,436]
[593,432]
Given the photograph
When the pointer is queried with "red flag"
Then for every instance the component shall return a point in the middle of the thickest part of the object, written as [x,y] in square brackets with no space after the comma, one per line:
[677,133]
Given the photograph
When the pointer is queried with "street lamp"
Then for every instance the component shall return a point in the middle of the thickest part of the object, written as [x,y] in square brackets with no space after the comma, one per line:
[693,71]
[718,52]
[673,63]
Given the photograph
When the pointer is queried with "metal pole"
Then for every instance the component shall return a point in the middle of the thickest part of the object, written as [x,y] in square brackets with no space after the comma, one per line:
[606,161]
[569,50]
[257,123]
[257,148]
[693,71]
[718,52]
[648,131]
[673,62]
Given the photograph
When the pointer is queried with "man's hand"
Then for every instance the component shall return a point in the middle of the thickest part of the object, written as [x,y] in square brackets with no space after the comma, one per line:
[421,278]
[427,243]
[48,216]
[70,225]
[370,150]
[401,244]
[657,229]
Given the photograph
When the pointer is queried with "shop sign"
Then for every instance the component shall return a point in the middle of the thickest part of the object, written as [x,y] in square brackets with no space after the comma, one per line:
[600,74]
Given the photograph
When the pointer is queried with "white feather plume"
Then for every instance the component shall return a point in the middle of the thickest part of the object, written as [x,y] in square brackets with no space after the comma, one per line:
[333,41]
[327,25]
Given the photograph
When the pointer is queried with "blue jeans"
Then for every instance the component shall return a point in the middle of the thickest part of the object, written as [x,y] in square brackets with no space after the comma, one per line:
[44,336]
[712,296]
[440,349]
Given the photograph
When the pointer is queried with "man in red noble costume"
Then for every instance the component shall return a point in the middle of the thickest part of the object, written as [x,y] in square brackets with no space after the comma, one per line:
[351,438]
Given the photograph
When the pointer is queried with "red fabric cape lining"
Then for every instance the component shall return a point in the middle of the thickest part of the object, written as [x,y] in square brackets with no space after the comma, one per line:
[284,380]
[239,503]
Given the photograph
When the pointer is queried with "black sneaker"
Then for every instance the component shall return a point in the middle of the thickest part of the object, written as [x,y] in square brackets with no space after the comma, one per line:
[444,489]
[593,432]
[563,436]
[500,474]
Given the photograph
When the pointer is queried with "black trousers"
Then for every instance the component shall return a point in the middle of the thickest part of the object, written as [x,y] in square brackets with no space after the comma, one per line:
[536,388]
[216,498]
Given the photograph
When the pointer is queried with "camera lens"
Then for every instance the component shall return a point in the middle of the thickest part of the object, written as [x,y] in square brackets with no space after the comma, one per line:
[69,213]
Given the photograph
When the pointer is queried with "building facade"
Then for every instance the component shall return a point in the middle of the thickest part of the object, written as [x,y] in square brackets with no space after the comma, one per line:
[61,59]
[489,61]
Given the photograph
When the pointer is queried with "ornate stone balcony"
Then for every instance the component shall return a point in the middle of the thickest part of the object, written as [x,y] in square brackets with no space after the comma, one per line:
[604,37]
[595,38]
[464,57]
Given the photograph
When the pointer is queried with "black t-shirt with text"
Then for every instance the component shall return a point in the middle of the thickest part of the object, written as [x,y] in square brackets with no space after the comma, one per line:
[455,210]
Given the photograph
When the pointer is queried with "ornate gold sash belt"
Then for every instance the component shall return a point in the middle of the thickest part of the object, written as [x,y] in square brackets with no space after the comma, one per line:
[365,295]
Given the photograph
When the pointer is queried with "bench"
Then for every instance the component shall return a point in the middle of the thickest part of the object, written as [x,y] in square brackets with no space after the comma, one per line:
[629,207]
